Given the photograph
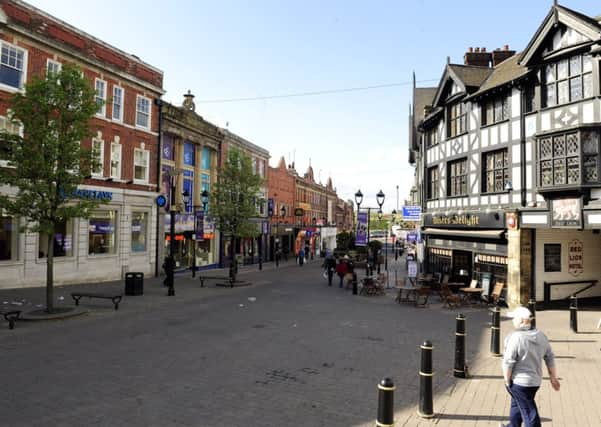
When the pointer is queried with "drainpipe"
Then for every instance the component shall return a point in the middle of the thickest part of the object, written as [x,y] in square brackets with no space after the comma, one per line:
[523,144]
[159,103]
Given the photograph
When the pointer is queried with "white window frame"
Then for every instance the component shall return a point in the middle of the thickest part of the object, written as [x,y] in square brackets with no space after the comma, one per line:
[102,110]
[101,157]
[4,121]
[9,88]
[120,117]
[138,97]
[54,64]
[147,158]
[113,146]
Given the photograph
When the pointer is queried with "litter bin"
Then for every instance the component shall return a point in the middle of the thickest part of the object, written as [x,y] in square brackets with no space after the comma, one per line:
[134,283]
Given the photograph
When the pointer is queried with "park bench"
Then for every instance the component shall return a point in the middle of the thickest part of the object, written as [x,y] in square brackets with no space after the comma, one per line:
[115,298]
[10,315]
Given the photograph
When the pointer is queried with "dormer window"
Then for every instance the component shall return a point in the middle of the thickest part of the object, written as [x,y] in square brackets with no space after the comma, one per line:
[457,119]
[494,110]
[568,80]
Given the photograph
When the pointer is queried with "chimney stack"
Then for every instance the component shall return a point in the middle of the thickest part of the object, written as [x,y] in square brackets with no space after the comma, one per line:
[478,56]
[499,55]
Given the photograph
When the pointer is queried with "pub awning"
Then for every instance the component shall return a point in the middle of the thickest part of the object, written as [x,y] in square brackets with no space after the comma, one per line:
[480,234]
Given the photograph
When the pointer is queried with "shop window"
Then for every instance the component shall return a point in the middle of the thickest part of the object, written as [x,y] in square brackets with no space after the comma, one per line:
[139,227]
[102,232]
[63,240]
[8,238]
[552,257]
[495,173]
[457,178]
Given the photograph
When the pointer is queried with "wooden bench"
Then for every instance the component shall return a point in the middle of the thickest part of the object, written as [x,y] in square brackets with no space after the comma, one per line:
[10,316]
[115,298]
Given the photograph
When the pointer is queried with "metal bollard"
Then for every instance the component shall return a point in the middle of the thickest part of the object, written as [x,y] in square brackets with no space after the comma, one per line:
[355,284]
[386,390]
[426,407]
[495,332]
[532,308]
[460,370]
[574,313]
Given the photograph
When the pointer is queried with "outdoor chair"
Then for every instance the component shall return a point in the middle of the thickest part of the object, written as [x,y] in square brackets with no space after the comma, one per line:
[448,298]
[495,296]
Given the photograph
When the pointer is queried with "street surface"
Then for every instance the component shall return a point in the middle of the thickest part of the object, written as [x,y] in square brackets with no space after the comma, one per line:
[286,351]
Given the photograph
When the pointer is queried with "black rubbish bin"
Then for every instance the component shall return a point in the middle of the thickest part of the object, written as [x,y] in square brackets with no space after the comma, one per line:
[134,283]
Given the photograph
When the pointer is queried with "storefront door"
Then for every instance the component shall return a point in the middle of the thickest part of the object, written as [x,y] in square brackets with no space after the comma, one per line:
[462,266]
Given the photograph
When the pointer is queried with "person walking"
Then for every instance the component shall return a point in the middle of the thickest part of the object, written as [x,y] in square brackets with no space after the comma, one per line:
[301,256]
[524,351]
[341,270]
[330,265]
[278,256]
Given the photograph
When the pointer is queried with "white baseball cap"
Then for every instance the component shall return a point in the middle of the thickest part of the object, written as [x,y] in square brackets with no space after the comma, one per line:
[520,313]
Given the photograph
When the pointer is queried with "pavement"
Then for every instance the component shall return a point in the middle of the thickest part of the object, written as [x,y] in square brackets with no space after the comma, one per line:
[286,351]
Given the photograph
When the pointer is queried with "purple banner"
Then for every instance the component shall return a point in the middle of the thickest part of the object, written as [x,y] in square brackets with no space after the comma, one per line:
[361,238]
[199,225]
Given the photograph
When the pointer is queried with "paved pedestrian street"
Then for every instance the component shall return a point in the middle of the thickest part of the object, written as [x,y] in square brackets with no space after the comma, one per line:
[286,351]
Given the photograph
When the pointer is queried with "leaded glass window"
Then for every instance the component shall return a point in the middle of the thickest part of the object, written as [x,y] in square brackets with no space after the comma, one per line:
[457,178]
[568,80]
[496,171]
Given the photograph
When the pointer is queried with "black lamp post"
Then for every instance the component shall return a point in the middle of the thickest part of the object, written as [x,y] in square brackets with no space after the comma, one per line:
[204,197]
[314,221]
[380,200]
[170,264]
[396,254]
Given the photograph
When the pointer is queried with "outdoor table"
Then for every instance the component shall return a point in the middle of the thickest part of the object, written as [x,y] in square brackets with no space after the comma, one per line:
[470,292]
[408,290]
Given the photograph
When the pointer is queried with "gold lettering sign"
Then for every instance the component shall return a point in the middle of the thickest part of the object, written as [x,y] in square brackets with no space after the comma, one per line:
[467,220]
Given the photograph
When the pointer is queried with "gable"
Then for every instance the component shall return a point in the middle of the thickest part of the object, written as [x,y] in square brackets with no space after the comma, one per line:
[561,31]
[450,85]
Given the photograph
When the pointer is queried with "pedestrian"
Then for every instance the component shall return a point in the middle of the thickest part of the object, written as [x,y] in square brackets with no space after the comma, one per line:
[307,248]
[301,256]
[524,351]
[278,256]
[341,269]
[330,264]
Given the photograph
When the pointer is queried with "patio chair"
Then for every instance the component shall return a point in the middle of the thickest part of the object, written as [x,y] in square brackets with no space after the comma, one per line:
[495,296]
[448,298]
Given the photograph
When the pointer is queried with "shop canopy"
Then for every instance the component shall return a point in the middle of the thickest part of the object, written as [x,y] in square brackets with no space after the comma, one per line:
[480,234]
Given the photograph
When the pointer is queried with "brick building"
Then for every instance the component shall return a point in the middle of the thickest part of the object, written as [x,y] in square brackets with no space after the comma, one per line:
[280,207]
[119,235]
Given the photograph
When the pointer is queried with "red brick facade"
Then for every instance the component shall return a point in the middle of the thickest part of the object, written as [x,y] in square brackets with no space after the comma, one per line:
[281,185]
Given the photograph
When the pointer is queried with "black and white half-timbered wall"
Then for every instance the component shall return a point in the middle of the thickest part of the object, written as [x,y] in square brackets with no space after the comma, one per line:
[508,173]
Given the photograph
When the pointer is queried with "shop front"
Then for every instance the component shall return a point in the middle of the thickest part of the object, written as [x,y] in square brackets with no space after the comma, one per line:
[282,237]
[566,254]
[308,239]
[466,246]
[191,248]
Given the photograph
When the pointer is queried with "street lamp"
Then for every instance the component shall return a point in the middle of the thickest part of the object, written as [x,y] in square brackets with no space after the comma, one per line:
[170,261]
[396,253]
[204,197]
[380,196]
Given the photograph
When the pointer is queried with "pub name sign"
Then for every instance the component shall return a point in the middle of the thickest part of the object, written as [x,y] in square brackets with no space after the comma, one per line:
[489,220]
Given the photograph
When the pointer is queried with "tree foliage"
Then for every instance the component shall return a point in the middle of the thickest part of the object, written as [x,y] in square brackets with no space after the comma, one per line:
[234,196]
[46,161]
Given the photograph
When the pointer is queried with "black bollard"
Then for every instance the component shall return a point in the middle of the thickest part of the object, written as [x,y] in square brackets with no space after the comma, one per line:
[532,308]
[574,313]
[460,370]
[495,332]
[396,254]
[260,262]
[386,390]
[426,407]
[355,285]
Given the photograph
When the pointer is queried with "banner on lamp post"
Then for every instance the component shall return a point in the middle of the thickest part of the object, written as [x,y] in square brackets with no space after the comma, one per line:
[199,225]
[361,237]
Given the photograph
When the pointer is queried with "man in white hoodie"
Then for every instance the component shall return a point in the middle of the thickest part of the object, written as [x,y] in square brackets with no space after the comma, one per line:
[524,351]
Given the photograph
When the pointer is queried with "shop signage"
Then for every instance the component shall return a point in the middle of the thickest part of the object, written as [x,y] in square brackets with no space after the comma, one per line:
[183,222]
[270,207]
[265,227]
[412,213]
[78,193]
[575,258]
[209,228]
[412,237]
[361,238]
[489,220]
[412,269]
[566,213]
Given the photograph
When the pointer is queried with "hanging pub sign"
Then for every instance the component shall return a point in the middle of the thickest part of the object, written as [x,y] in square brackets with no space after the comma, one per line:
[575,258]
[566,213]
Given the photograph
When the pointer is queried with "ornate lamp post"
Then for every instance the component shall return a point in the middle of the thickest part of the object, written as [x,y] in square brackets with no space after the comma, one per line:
[170,262]
[380,200]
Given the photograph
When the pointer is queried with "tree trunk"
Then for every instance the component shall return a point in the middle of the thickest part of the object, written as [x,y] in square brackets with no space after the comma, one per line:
[233,266]
[50,274]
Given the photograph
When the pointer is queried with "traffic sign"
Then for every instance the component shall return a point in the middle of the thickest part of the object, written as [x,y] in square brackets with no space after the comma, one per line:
[412,213]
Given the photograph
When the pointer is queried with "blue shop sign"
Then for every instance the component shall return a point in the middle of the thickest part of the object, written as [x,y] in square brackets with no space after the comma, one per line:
[78,193]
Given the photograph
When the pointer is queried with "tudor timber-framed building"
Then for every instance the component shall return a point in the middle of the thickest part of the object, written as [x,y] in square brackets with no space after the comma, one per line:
[506,150]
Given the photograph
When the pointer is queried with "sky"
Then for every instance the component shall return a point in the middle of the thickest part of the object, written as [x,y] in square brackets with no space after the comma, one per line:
[227,50]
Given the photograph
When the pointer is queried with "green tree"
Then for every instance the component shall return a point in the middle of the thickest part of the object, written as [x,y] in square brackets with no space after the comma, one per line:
[234,199]
[345,241]
[45,159]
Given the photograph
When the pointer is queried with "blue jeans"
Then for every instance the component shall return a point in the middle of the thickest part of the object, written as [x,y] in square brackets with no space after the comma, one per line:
[523,407]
